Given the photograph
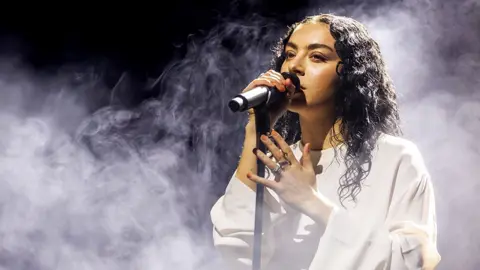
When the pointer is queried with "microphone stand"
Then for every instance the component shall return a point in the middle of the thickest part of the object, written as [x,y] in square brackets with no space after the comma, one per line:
[262,126]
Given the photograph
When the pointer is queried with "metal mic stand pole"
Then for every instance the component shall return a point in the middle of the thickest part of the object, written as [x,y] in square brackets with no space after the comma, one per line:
[262,126]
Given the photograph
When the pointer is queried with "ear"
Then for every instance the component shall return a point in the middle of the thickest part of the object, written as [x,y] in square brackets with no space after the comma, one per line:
[339,68]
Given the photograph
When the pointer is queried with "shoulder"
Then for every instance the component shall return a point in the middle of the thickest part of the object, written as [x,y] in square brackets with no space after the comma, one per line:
[395,144]
[399,148]
[403,156]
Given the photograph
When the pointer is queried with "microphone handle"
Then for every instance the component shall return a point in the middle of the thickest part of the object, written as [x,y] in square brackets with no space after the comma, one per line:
[255,97]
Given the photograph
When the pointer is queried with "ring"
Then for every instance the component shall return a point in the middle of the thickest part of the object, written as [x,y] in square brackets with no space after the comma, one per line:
[277,169]
[280,166]
[284,163]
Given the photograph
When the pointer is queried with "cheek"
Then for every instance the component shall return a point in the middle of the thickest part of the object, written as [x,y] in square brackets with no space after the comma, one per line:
[323,79]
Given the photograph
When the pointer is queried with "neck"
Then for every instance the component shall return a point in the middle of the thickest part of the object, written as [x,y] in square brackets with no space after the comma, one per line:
[318,129]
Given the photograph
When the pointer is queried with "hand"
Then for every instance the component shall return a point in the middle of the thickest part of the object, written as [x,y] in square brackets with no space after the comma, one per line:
[273,78]
[295,183]
[430,257]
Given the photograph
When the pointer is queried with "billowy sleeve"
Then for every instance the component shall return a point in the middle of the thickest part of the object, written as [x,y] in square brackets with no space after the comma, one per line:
[352,242]
[233,218]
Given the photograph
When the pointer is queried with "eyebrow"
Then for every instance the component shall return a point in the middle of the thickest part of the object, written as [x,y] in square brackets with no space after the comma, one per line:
[311,46]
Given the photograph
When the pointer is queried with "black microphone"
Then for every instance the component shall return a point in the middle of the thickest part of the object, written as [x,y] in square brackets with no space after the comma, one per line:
[262,94]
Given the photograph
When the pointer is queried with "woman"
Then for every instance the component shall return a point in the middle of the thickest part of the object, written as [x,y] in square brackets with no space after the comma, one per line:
[347,192]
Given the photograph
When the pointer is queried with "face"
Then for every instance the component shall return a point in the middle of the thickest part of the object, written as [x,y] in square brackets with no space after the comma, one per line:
[310,54]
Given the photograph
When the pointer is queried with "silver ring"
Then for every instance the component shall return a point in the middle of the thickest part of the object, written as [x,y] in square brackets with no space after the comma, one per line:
[277,169]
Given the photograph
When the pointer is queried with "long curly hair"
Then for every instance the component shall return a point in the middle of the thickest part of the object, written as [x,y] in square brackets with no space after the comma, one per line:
[365,100]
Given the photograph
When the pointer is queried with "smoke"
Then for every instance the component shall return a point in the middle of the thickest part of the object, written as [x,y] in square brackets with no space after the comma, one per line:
[431,49]
[131,188]
[433,59]
[123,187]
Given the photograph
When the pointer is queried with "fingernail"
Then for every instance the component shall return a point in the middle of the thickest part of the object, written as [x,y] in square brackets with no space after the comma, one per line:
[255,150]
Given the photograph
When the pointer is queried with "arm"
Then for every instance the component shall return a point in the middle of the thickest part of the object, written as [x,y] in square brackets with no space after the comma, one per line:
[233,215]
[406,240]
[248,161]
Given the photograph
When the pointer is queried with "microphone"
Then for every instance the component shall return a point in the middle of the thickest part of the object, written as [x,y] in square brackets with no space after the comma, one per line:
[261,94]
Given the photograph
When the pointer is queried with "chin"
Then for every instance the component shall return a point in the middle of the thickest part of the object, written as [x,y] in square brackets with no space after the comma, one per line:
[297,103]
[300,103]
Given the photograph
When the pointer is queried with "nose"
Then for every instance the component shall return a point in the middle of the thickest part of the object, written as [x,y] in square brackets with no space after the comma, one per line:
[296,66]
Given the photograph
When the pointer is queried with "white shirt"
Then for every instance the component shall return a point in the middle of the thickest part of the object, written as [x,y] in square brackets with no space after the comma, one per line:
[396,195]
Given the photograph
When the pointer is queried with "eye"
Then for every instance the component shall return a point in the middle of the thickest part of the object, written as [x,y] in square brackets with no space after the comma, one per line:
[289,54]
[317,57]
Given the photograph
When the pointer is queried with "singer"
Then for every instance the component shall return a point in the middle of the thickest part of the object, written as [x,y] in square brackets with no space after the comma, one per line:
[343,189]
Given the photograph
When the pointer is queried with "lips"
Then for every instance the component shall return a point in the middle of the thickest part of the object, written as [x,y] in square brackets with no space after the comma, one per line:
[299,91]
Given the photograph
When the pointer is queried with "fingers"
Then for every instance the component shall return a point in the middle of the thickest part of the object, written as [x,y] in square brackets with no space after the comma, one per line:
[284,152]
[277,80]
[290,86]
[265,159]
[285,148]
[271,79]
[276,152]
[270,82]
[306,160]
[257,179]
[276,75]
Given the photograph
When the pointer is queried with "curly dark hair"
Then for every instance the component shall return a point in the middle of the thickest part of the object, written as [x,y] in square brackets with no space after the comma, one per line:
[365,100]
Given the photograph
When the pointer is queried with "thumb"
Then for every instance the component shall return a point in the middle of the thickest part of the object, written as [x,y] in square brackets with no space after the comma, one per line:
[290,86]
[306,158]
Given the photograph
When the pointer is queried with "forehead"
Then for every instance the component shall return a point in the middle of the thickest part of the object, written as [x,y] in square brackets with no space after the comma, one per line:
[305,34]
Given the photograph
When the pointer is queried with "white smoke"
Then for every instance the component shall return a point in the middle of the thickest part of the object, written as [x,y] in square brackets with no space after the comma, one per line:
[431,49]
[62,207]
[131,188]
[122,188]
[433,63]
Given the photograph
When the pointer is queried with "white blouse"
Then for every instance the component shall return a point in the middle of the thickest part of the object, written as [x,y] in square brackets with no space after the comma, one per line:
[396,196]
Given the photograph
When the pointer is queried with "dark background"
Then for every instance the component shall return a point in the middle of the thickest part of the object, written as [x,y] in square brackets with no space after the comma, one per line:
[137,38]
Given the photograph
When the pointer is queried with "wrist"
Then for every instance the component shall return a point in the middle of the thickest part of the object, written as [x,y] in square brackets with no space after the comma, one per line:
[250,128]
[318,208]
